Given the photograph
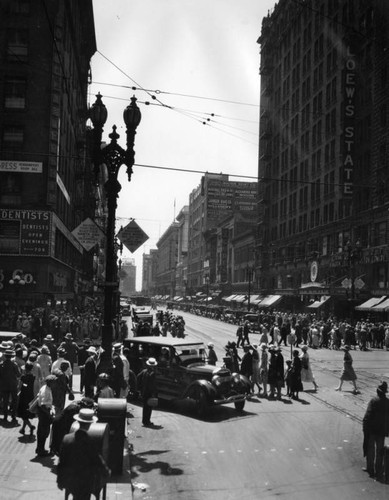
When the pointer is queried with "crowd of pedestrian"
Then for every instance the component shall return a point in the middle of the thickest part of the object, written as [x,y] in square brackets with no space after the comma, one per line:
[36,381]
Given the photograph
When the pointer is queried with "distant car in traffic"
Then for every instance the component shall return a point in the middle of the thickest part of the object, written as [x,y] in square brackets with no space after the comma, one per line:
[183,373]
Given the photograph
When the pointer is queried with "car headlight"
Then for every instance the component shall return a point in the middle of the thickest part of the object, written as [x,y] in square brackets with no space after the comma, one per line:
[236,379]
[216,380]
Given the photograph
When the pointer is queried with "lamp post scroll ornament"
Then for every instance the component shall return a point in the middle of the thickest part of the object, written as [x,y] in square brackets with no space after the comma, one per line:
[113,156]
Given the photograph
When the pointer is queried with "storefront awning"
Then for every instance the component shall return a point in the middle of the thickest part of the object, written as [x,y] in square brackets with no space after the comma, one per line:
[270,301]
[374,301]
[229,298]
[239,298]
[318,303]
[381,307]
[253,298]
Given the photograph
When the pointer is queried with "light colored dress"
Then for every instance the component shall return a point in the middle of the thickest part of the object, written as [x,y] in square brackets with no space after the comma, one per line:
[306,370]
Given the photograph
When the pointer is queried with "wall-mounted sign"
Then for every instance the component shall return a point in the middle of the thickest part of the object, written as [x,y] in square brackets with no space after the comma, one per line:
[27,167]
[88,234]
[25,232]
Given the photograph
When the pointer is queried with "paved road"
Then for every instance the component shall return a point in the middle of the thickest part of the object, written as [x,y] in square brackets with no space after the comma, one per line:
[309,449]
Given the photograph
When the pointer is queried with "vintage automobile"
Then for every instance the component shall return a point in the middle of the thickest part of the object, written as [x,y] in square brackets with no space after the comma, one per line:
[183,372]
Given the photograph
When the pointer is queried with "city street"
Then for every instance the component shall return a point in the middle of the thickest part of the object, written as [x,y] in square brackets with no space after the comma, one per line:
[310,448]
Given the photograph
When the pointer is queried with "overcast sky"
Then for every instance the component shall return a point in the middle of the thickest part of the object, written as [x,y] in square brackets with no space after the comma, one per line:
[203,58]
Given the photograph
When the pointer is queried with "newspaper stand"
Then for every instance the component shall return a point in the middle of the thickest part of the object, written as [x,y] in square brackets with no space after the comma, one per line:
[112,411]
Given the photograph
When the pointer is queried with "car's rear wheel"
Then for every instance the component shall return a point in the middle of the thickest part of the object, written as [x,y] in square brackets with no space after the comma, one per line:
[239,405]
[202,405]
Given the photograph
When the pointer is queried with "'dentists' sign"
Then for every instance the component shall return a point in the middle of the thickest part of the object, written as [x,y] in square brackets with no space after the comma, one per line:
[25,232]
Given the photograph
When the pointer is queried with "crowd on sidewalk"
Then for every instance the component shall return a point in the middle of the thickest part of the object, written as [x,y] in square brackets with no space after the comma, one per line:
[36,381]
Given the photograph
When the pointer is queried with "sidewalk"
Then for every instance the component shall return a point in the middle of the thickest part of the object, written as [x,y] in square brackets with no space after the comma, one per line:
[24,476]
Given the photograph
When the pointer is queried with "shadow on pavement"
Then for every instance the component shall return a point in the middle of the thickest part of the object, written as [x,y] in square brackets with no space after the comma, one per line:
[140,464]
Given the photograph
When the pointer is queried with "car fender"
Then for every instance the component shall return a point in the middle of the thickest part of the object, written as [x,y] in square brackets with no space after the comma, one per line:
[205,385]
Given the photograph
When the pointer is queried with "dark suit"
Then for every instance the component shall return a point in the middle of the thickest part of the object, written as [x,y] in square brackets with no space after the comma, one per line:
[81,469]
[148,389]
[90,376]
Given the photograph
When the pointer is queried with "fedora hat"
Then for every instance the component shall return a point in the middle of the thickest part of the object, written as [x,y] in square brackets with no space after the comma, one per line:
[69,336]
[86,415]
[383,387]
[9,353]
[49,338]
[304,348]
[151,362]
[117,346]
[4,345]
[91,349]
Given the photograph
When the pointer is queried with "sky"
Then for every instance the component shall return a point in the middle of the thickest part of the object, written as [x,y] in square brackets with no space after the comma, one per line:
[200,60]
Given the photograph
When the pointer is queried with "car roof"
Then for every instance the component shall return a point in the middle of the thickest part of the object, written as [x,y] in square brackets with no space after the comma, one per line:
[8,335]
[168,341]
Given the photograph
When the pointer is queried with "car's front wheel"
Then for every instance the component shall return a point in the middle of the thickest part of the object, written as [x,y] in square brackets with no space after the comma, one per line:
[239,405]
[202,405]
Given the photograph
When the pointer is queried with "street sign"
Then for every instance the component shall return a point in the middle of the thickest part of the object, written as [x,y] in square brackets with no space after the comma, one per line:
[88,234]
[132,236]
[358,283]
[346,283]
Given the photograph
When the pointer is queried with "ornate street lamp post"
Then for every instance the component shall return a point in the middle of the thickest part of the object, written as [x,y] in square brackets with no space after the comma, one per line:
[113,156]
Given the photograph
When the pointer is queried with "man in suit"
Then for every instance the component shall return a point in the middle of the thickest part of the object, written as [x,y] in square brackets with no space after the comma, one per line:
[81,470]
[148,389]
[90,372]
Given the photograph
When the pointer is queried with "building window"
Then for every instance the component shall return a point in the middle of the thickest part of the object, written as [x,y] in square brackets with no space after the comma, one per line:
[17,45]
[15,93]
[13,138]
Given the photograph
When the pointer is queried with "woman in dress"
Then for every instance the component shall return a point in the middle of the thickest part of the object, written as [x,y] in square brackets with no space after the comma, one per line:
[348,372]
[295,376]
[306,370]
[26,395]
[263,367]
[37,372]
[44,360]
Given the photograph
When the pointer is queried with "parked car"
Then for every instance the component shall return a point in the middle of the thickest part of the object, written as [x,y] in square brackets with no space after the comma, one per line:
[183,373]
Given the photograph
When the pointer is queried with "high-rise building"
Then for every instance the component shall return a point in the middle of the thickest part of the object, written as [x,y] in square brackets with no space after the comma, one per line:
[127,276]
[212,201]
[46,187]
[324,150]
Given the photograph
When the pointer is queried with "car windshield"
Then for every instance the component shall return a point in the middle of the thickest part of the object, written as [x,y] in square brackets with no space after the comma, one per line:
[191,352]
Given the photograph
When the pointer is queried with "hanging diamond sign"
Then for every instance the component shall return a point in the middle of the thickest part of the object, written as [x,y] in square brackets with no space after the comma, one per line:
[132,236]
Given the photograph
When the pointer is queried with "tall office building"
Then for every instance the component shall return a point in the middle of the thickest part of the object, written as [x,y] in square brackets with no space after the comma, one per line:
[323,153]
[211,202]
[46,185]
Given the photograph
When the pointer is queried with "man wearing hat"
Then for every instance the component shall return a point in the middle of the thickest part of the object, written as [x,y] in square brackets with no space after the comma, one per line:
[90,368]
[64,420]
[148,389]
[71,352]
[9,383]
[81,470]
[212,357]
[117,375]
[48,341]
[375,428]
[82,356]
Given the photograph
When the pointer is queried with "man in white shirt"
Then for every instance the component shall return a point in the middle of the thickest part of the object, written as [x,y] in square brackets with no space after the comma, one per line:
[45,415]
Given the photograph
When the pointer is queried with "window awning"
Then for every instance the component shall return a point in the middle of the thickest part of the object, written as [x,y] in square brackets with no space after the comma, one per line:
[239,298]
[381,307]
[253,298]
[374,301]
[229,298]
[270,300]
[318,303]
